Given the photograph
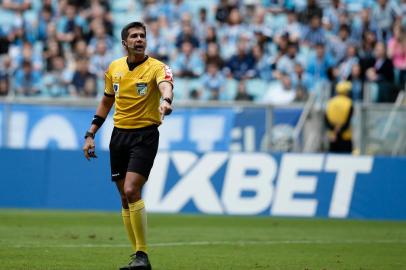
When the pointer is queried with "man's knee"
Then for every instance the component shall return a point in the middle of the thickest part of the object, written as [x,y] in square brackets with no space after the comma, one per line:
[132,193]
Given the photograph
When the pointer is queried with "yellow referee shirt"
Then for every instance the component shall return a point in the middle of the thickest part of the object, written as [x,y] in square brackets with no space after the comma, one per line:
[136,91]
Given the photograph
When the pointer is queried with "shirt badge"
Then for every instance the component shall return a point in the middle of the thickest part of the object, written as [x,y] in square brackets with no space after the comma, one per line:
[116,87]
[141,89]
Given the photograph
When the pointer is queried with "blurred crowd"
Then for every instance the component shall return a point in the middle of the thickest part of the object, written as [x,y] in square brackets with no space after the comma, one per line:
[292,47]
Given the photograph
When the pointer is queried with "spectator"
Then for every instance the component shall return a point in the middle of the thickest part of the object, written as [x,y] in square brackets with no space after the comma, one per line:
[188,63]
[57,79]
[331,17]
[397,53]
[382,73]
[201,26]
[320,63]
[100,60]
[27,80]
[302,82]
[71,26]
[361,24]
[241,65]
[158,46]
[213,82]
[52,32]
[98,13]
[366,53]
[211,35]
[52,49]
[231,33]
[287,62]
[263,66]
[338,120]
[312,9]
[282,92]
[292,28]
[314,33]
[80,50]
[346,64]
[100,34]
[222,11]
[357,89]
[45,18]
[187,34]
[384,13]
[30,54]
[212,55]
[242,93]
[338,44]
[259,26]
[83,81]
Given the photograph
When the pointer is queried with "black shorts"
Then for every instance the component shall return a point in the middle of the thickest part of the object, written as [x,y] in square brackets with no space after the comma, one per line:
[133,150]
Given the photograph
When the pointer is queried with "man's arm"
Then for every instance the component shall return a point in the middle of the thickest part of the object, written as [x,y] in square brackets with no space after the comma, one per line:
[166,89]
[102,111]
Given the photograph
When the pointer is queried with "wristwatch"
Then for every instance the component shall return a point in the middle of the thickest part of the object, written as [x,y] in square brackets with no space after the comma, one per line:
[168,100]
[89,134]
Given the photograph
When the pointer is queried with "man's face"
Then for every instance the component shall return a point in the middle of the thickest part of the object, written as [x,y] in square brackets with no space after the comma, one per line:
[136,41]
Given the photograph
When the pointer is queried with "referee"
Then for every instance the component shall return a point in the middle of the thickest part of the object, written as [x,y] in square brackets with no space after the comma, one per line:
[141,88]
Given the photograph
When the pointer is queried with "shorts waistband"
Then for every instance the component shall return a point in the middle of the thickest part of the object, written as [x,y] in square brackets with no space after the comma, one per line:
[151,127]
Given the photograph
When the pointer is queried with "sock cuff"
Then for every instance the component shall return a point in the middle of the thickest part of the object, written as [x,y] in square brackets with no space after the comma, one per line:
[125,212]
[138,205]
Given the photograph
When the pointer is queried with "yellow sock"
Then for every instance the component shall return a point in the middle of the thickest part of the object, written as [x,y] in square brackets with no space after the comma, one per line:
[138,218]
[125,213]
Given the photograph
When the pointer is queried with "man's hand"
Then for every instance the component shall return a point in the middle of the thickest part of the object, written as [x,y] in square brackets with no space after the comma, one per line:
[89,148]
[165,109]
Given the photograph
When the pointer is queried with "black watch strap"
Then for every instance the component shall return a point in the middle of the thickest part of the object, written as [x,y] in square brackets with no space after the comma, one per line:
[89,134]
[168,100]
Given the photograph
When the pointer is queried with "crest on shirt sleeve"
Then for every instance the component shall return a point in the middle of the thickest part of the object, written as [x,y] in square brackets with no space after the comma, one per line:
[116,81]
[116,87]
[141,89]
[168,73]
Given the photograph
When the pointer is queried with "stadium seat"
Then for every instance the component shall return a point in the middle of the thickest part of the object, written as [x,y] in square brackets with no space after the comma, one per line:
[257,88]
[230,90]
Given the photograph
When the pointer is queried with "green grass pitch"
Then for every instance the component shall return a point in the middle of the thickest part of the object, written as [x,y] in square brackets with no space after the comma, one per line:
[96,240]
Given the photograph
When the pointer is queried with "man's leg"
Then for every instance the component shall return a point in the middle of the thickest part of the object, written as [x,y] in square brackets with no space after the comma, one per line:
[125,213]
[132,189]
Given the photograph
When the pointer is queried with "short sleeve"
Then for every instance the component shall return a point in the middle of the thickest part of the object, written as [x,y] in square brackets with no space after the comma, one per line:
[164,74]
[108,84]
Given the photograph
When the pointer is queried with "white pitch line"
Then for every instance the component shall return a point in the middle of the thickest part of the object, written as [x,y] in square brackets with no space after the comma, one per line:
[215,243]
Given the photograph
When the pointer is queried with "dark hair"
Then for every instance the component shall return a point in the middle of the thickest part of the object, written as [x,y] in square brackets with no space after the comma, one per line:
[124,31]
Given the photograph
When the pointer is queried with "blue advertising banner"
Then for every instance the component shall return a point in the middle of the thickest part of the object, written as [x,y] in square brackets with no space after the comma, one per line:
[54,127]
[284,121]
[224,183]
[190,129]
[2,128]
[249,129]
[286,116]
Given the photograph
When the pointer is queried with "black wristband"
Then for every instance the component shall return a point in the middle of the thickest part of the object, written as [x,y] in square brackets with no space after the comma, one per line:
[168,100]
[89,134]
[98,120]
